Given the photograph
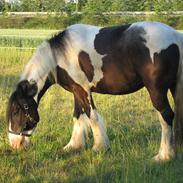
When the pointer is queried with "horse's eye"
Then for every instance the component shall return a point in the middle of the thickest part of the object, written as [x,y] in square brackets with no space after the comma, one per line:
[16,111]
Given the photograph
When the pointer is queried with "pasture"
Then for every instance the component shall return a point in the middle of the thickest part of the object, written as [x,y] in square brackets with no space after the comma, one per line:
[132,125]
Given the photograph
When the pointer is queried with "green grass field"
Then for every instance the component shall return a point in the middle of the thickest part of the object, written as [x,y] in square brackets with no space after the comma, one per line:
[132,124]
[24,38]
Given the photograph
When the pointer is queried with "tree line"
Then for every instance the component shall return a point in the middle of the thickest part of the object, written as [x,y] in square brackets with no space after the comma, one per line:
[92,12]
[91,6]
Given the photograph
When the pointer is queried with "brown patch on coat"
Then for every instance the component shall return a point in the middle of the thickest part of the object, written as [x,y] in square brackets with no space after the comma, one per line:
[124,52]
[85,64]
[82,104]
[161,76]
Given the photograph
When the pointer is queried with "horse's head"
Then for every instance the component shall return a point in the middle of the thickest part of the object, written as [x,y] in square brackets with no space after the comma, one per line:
[22,114]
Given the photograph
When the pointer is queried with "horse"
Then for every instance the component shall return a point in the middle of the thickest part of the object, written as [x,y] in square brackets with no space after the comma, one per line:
[108,60]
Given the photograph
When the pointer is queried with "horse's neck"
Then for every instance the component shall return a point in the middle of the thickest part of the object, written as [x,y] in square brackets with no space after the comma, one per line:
[41,66]
[50,80]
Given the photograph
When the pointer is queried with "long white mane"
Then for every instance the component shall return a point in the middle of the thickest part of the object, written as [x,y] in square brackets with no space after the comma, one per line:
[40,65]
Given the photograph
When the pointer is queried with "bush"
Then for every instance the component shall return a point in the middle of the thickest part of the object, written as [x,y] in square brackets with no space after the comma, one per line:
[99,19]
[169,20]
[124,20]
[180,23]
[60,22]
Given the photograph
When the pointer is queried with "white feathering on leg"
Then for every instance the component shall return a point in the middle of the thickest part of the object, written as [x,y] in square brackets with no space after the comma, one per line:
[166,151]
[80,130]
[101,140]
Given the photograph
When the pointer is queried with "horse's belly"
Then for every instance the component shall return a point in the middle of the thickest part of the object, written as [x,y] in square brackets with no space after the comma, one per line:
[118,85]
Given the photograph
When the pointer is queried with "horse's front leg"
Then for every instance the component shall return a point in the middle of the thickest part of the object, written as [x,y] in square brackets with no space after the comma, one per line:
[97,124]
[85,116]
[80,128]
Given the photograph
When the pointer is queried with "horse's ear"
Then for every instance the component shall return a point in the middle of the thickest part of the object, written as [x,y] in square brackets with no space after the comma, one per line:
[26,88]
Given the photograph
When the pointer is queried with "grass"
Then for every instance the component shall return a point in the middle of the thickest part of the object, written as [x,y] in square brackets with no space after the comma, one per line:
[23,38]
[27,33]
[133,130]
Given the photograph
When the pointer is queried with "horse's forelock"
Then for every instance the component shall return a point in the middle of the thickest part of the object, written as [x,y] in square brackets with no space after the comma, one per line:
[11,100]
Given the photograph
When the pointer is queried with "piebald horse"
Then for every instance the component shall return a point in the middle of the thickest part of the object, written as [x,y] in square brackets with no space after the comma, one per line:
[111,60]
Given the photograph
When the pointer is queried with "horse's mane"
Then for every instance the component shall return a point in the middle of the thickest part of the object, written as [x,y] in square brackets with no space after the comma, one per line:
[58,40]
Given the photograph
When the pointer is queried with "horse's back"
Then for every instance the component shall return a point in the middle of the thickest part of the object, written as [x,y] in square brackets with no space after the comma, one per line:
[158,36]
[82,34]
[155,35]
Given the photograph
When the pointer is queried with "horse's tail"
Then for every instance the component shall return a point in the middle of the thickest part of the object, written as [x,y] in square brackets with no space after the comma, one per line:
[178,123]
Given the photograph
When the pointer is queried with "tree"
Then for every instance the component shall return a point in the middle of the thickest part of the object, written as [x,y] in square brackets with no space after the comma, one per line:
[97,6]
[178,5]
[128,5]
[54,5]
[2,5]
[27,5]
[81,4]
[93,11]
[163,5]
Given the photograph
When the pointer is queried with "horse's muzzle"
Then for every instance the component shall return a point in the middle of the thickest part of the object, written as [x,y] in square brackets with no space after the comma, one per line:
[17,141]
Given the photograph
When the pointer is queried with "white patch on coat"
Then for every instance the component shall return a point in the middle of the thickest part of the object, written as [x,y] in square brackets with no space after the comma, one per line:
[101,140]
[80,130]
[158,36]
[166,151]
[81,38]
[39,66]
[16,141]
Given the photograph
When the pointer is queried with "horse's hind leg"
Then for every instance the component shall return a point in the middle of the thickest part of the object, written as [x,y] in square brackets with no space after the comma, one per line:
[80,128]
[166,115]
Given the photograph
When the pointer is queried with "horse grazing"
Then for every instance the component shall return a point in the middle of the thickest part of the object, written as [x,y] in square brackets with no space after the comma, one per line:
[111,60]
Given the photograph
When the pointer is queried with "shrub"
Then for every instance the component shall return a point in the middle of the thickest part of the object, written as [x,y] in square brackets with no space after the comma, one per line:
[62,21]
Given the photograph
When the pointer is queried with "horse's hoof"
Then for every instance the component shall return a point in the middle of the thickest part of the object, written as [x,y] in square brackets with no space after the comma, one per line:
[70,147]
[96,149]
[163,158]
